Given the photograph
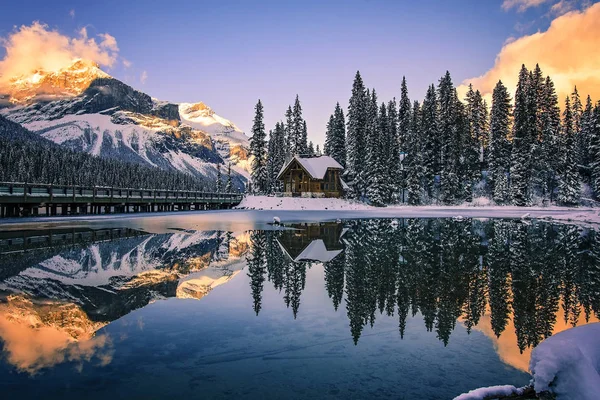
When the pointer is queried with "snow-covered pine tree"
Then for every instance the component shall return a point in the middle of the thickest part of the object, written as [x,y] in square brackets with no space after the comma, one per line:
[549,158]
[277,155]
[318,152]
[290,141]
[499,146]
[335,137]
[520,169]
[392,145]
[595,150]
[229,185]
[304,139]
[219,183]
[583,140]
[474,143]
[297,128]
[569,185]
[470,148]
[355,140]
[430,144]
[311,149]
[413,160]
[271,159]
[450,135]
[404,115]
[258,151]
[377,188]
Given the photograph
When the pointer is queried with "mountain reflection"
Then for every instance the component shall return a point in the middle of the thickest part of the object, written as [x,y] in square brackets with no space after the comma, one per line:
[515,274]
[517,282]
[58,289]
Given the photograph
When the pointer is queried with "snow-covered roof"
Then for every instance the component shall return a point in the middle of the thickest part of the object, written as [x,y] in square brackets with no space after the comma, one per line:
[315,251]
[315,166]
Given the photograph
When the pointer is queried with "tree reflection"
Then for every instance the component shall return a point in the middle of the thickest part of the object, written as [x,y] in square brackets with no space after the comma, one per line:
[446,270]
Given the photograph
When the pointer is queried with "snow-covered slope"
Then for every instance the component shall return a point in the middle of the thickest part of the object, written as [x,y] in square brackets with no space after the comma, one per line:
[85,109]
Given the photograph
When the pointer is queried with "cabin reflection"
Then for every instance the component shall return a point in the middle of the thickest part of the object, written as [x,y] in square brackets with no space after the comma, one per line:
[319,242]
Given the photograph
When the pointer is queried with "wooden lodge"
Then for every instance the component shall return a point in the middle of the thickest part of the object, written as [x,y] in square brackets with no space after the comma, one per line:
[312,241]
[312,177]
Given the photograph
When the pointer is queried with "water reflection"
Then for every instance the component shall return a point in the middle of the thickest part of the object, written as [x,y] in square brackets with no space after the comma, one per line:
[512,274]
[516,282]
[58,289]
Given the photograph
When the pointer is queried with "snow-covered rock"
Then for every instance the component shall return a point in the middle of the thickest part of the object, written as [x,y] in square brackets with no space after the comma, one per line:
[491,392]
[568,363]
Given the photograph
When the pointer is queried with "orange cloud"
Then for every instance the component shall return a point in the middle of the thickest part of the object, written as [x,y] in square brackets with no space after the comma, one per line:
[567,52]
[32,344]
[506,345]
[34,47]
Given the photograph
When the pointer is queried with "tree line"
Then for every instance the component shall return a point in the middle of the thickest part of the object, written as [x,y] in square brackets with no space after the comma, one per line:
[287,139]
[447,271]
[447,150]
[27,157]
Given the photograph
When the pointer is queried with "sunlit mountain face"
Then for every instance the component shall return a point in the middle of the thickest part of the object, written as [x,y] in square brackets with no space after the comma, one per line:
[85,109]
[85,303]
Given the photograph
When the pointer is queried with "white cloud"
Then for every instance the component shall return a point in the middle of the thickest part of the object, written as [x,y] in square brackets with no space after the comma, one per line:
[521,5]
[38,47]
[562,7]
[143,77]
[567,52]
[72,13]
[126,63]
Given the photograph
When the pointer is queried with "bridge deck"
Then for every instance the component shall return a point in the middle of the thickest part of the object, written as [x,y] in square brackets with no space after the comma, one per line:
[22,199]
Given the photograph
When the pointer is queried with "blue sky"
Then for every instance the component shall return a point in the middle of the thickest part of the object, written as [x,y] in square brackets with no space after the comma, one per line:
[231,53]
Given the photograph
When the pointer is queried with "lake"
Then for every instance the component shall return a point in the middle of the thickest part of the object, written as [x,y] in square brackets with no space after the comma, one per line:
[181,307]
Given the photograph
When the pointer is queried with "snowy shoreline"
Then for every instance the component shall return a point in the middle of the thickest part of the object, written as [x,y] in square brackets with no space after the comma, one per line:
[260,210]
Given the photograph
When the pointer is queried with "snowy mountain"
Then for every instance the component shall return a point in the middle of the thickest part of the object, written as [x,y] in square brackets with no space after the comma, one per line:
[109,279]
[85,109]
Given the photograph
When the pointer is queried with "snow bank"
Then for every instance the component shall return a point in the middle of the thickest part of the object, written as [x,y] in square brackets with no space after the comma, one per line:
[568,363]
[299,203]
[491,392]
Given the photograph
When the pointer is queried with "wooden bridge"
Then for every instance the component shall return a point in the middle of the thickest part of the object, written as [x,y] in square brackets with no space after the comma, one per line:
[25,199]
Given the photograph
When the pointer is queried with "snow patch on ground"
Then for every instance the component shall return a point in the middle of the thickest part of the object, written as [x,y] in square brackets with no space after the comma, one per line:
[490,392]
[568,363]
[467,210]
[298,203]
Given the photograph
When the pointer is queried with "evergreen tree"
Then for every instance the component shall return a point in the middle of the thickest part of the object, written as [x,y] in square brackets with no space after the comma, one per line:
[404,115]
[499,147]
[219,185]
[355,140]
[258,151]
[414,158]
[569,185]
[391,146]
[431,145]
[584,139]
[595,150]
[335,137]
[549,159]
[304,139]
[311,149]
[229,185]
[450,134]
[290,139]
[520,169]
[376,190]
[297,130]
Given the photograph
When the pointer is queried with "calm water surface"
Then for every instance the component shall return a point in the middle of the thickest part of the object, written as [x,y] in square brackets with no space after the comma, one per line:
[403,309]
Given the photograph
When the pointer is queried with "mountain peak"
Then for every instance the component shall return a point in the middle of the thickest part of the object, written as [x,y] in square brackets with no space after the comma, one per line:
[68,81]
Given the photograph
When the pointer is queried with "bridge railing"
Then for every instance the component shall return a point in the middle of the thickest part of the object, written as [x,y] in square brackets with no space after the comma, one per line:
[99,193]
